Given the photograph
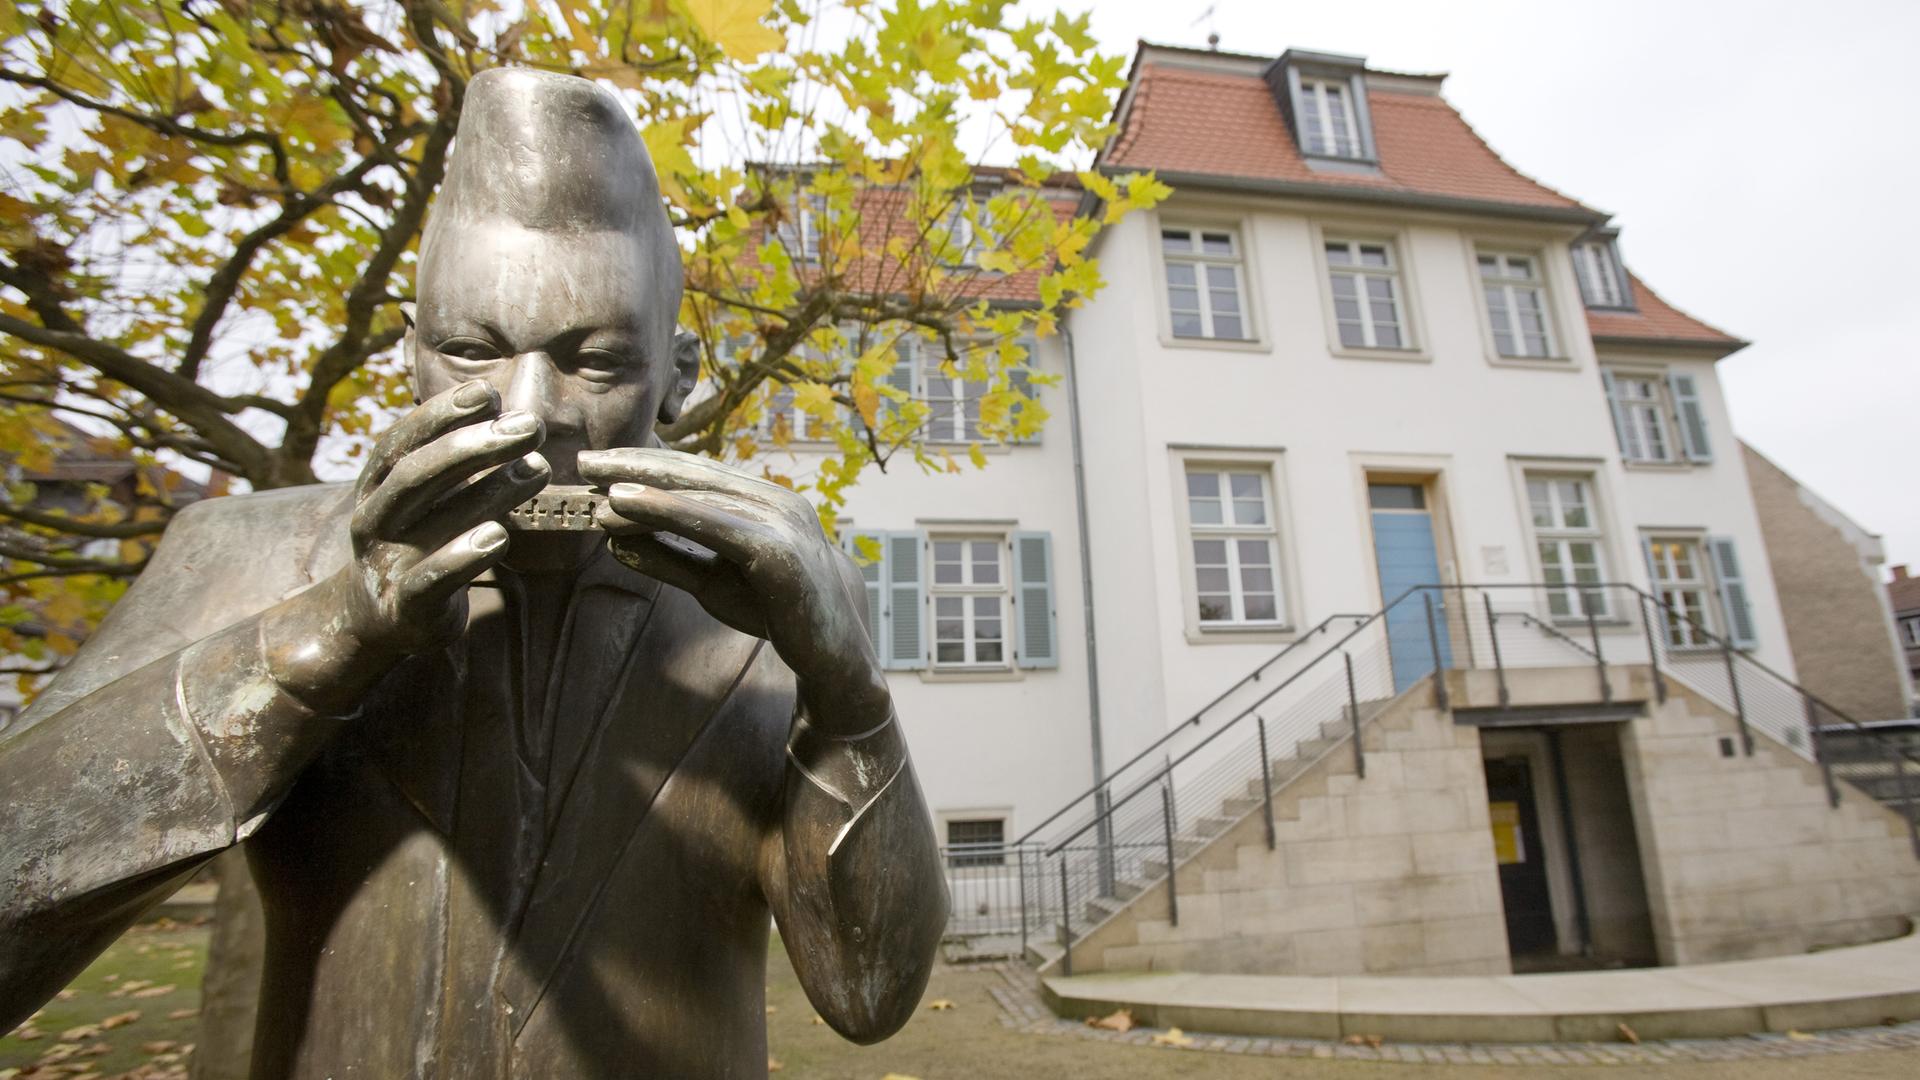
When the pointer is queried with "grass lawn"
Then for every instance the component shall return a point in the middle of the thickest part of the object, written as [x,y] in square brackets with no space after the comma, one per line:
[133,1011]
[131,1014]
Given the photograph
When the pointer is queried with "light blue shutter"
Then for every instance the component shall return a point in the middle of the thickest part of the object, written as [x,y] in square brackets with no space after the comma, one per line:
[1017,380]
[1693,416]
[1653,573]
[874,574]
[906,601]
[1622,431]
[1033,576]
[1734,602]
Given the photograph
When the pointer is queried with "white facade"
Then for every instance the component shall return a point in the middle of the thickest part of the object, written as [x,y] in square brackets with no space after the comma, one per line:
[1421,394]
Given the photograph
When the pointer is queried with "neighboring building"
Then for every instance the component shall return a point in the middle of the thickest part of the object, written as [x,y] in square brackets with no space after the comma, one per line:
[1903,593]
[1357,360]
[1827,569]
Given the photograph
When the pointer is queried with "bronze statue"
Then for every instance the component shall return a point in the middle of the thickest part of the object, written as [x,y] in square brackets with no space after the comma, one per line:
[519,802]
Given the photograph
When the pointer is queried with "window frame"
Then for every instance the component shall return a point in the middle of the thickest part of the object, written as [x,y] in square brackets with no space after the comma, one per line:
[1268,464]
[1555,353]
[1586,271]
[1911,626]
[948,818]
[1705,614]
[1201,261]
[1315,101]
[968,591]
[1595,532]
[1406,291]
[1302,68]
[1249,279]
[1659,407]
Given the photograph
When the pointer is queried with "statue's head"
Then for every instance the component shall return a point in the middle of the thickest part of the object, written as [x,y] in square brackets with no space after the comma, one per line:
[548,267]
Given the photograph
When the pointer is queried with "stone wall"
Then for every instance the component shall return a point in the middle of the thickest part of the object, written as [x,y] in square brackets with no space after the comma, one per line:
[1393,873]
[1743,855]
[1827,571]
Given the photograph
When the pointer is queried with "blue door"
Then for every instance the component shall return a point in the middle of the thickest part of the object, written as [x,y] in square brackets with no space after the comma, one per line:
[1404,551]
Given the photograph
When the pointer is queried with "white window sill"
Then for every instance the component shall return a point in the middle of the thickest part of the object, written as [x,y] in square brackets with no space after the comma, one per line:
[1535,363]
[1168,341]
[1404,356]
[970,675]
[1240,634]
[1648,465]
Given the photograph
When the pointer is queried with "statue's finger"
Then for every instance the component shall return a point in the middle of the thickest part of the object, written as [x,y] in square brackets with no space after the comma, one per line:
[423,477]
[676,563]
[489,498]
[467,403]
[674,470]
[432,581]
[733,537]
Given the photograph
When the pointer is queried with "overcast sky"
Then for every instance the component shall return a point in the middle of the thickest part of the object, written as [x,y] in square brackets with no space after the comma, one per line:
[1761,159]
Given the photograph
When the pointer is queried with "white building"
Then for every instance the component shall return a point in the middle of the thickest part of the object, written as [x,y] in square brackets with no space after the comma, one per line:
[1354,354]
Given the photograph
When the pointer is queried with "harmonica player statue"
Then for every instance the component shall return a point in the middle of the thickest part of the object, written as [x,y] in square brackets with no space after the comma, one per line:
[520,786]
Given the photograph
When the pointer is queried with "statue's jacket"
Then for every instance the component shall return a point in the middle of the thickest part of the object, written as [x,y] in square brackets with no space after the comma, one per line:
[548,850]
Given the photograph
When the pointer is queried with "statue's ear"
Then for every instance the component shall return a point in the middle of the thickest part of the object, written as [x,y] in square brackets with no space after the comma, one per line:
[686,372]
[407,351]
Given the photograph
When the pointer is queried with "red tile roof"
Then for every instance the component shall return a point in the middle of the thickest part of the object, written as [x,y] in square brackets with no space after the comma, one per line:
[1656,320]
[1227,124]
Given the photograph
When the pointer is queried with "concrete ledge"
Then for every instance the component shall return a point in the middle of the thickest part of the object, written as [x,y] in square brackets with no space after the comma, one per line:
[1851,987]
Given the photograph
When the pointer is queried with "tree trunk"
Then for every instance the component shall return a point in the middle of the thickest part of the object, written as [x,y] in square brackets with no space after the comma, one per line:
[230,990]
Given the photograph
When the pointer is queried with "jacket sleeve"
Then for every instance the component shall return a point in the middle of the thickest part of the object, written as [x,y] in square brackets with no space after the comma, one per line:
[125,781]
[857,886]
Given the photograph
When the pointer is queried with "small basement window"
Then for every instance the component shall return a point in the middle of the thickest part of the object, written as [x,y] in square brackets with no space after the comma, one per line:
[976,842]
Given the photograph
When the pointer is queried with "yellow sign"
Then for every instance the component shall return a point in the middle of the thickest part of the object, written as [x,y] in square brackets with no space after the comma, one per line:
[1509,846]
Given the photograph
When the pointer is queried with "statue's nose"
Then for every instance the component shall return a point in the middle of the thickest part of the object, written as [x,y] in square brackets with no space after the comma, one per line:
[535,385]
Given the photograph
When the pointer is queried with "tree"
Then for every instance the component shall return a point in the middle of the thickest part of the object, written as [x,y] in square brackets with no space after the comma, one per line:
[210,210]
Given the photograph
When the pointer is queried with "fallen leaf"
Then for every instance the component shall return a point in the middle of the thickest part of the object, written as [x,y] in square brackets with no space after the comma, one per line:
[1173,1037]
[1629,1034]
[1364,1040]
[1801,1036]
[28,1033]
[156,991]
[159,1047]
[771,1009]
[84,1031]
[899,1076]
[816,1019]
[773,1064]
[183,1014]
[1118,1020]
[939,1004]
[119,1019]
[94,1049]
[66,995]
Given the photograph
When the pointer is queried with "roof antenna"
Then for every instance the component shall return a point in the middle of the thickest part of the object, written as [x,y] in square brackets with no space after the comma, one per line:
[1213,34]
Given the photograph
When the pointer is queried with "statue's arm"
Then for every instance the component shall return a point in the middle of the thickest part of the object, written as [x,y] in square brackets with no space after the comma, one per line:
[110,801]
[854,879]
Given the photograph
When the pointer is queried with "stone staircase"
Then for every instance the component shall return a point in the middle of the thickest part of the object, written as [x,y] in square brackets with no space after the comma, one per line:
[1196,834]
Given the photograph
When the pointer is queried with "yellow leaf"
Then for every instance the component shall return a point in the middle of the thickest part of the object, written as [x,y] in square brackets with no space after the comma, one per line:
[939,1004]
[1173,1037]
[735,26]
[815,399]
[773,1064]
[1118,1020]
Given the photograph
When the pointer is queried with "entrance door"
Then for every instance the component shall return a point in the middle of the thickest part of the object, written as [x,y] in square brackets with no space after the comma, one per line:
[1404,551]
[1518,848]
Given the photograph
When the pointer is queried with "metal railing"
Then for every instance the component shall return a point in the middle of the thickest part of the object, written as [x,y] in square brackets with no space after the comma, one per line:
[1122,837]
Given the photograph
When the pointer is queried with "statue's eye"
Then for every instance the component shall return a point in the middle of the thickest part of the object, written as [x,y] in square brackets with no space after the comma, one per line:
[472,350]
[599,361]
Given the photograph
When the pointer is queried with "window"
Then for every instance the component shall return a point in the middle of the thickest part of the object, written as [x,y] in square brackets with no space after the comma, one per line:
[969,595]
[1567,534]
[1328,125]
[1235,547]
[965,243]
[953,402]
[1204,298]
[1912,632]
[976,841]
[1516,304]
[1366,298]
[800,233]
[1640,418]
[1680,581]
[1597,264]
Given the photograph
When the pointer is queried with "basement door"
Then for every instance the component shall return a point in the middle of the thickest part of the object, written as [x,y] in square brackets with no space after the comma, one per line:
[1404,552]
[1519,850]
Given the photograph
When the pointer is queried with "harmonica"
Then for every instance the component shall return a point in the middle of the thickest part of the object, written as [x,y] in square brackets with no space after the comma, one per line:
[558,508]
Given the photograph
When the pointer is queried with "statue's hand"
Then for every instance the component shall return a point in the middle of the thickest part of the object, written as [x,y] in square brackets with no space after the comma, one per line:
[762,565]
[420,530]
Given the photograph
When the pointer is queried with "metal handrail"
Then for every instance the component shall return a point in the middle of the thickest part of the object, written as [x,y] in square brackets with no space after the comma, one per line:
[1199,714]
[1170,765]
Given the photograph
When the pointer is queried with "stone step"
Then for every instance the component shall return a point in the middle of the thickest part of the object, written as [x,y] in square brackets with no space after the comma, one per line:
[1101,908]
[1128,888]
[1041,952]
[1206,828]
[1238,806]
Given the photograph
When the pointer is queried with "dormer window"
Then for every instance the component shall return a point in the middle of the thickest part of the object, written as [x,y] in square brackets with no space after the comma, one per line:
[1327,125]
[1603,284]
[1324,96]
